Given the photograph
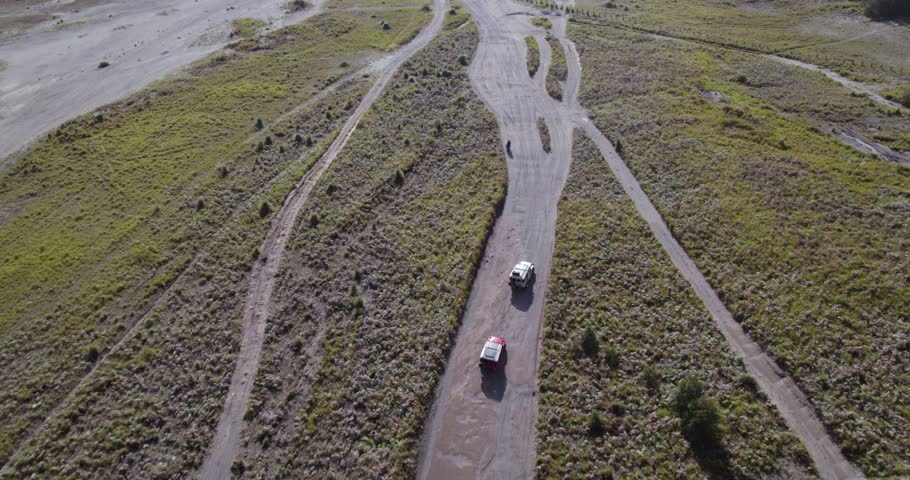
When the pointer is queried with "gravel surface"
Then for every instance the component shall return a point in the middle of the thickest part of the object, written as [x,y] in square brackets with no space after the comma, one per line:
[52,72]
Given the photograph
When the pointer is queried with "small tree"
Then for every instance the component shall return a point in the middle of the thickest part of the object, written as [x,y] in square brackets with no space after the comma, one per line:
[611,356]
[699,415]
[589,344]
[259,124]
[264,210]
[687,392]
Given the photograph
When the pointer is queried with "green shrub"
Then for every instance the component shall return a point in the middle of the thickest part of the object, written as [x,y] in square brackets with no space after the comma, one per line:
[596,425]
[611,357]
[651,377]
[589,344]
[264,210]
[92,352]
[699,415]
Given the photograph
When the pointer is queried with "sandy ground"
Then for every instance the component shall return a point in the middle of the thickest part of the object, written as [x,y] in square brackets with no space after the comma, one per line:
[226,441]
[52,75]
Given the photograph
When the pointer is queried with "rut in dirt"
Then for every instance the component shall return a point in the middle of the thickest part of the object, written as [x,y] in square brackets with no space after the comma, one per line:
[225,444]
[481,428]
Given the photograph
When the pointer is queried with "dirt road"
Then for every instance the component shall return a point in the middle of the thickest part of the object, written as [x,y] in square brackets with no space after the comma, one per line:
[790,401]
[52,73]
[226,442]
[484,427]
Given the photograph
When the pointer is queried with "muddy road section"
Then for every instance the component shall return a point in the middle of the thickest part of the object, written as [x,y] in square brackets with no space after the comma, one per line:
[50,73]
[225,444]
[483,426]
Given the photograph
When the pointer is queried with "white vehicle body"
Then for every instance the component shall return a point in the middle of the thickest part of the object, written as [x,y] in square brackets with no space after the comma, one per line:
[521,274]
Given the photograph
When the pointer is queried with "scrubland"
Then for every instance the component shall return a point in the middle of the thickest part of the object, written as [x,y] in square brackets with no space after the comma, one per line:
[136,225]
[375,279]
[802,236]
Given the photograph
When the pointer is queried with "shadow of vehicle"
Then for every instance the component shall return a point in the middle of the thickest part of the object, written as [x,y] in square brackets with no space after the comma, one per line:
[522,298]
[493,382]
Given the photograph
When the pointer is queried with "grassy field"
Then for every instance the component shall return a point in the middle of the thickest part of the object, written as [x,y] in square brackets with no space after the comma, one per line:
[558,71]
[612,278]
[148,211]
[804,238]
[834,34]
[533,55]
[378,272]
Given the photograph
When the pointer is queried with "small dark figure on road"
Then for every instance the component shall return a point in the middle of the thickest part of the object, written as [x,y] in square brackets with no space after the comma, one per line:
[509,147]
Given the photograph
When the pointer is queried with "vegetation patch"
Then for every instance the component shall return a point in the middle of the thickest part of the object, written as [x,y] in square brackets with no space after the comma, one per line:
[898,94]
[533,55]
[635,378]
[144,216]
[544,134]
[297,5]
[247,27]
[371,292]
[558,72]
[456,17]
[804,238]
[542,22]
[60,25]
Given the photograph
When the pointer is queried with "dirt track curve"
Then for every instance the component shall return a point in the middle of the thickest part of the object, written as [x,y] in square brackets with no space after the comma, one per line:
[226,442]
[485,428]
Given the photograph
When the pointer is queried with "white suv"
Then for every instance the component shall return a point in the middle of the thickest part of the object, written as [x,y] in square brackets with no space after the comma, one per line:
[521,274]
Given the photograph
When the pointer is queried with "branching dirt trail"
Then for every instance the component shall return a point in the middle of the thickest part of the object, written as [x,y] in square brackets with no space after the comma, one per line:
[485,428]
[226,442]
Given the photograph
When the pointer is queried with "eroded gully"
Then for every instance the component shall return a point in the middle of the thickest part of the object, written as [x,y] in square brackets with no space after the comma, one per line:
[484,427]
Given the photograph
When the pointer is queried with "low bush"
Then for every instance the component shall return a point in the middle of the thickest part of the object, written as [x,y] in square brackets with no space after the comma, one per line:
[886,9]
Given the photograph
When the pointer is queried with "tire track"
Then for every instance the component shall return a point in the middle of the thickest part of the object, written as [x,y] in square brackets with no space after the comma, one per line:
[226,442]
